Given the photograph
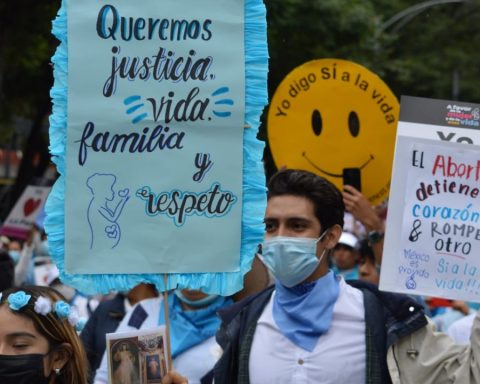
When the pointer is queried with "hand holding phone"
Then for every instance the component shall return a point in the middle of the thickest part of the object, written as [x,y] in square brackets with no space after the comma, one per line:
[351,176]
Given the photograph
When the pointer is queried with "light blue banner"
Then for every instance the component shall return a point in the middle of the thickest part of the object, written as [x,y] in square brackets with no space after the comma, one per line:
[153,181]
[155,136]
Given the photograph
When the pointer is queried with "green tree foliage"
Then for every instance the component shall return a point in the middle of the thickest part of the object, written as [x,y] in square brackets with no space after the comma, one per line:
[436,54]
[422,54]
[300,31]
[26,47]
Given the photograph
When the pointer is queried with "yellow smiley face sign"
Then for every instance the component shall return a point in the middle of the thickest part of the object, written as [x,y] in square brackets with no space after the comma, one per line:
[339,120]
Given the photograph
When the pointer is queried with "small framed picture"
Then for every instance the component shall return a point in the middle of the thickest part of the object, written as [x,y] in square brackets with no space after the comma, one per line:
[137,357]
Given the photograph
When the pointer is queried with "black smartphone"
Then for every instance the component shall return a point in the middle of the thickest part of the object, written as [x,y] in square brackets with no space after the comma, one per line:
[351,176]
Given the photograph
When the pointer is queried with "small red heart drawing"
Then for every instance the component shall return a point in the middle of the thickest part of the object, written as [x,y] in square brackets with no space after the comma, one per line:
[31,206]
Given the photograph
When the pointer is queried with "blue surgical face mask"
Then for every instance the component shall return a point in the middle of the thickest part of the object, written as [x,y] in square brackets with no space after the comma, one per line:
[291,259]
[207,300]
[15,255]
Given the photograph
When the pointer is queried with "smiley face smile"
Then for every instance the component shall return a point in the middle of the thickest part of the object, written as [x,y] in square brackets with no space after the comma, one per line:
[330,173]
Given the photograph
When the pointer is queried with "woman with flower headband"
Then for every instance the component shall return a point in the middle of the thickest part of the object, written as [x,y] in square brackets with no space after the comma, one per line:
[38,338]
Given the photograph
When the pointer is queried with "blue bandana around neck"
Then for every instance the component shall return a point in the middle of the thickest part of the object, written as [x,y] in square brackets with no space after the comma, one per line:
[189,328]
[304,312]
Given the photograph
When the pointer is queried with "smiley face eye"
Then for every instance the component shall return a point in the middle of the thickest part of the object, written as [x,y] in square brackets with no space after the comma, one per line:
[316,122]
[353,124]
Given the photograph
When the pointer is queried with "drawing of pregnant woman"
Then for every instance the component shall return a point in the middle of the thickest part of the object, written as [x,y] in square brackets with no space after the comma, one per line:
[104,210]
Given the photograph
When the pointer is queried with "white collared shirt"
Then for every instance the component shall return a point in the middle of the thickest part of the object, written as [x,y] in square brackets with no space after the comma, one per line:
[338,357]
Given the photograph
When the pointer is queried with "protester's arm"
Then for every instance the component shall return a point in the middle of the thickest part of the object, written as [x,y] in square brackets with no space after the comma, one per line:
[461,306]
[21,269]
[360,208]
[430,357]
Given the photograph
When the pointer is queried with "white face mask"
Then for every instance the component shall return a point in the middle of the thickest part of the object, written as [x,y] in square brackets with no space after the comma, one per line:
[291,259]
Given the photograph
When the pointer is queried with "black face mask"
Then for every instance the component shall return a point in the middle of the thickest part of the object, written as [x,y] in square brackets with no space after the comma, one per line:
[22,369]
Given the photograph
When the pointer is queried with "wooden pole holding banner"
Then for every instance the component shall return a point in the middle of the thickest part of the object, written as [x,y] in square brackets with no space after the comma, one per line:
[167,326]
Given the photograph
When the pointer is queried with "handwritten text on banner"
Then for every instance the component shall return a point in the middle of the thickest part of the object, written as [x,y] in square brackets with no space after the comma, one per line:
[155,136]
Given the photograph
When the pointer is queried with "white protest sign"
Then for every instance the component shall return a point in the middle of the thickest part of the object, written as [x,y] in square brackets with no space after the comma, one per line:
[23,215]
[433,224]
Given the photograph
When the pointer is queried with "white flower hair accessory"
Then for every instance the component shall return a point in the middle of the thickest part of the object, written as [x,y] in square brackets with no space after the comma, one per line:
[73,317]
[43,306]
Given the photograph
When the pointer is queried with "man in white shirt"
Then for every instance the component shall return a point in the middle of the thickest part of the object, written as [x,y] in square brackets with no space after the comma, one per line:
[312,327]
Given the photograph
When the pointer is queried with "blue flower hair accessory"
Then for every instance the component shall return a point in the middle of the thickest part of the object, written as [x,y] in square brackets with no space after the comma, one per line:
[43,306]
[18,300]
[62,309]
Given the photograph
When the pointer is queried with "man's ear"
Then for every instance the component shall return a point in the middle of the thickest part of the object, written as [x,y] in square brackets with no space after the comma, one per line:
[332,236]
[61,355]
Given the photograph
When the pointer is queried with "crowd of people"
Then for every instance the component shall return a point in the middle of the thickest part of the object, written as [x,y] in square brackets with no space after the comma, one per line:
[310,310]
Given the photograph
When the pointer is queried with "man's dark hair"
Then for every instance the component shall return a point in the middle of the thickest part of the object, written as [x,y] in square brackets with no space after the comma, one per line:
[326,198]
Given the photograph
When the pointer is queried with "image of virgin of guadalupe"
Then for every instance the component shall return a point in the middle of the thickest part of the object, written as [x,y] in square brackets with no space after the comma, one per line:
[125,364]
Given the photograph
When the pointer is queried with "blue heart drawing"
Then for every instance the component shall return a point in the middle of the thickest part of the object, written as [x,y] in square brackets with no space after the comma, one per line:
[123,192]
[111,231]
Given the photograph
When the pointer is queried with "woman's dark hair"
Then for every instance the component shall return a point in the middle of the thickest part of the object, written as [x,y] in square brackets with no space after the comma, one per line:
[326,198]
